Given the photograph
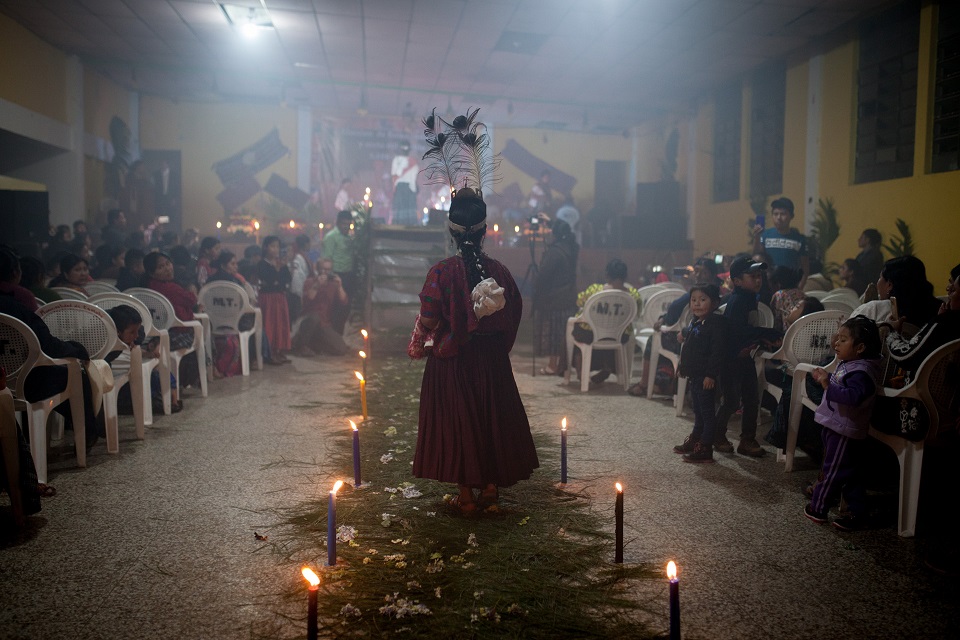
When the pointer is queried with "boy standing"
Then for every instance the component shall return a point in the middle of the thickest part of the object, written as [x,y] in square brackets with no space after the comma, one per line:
[785,246]
[738,380]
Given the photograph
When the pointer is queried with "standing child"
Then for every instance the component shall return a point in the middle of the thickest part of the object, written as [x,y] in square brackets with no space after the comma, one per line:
[700,359]
[274,281]
[739,376]
[844,413]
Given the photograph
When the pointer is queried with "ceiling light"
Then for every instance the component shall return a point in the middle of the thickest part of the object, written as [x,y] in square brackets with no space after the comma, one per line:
[247,20]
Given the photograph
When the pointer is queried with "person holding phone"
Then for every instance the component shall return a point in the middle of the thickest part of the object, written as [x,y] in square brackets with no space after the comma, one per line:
[785,245]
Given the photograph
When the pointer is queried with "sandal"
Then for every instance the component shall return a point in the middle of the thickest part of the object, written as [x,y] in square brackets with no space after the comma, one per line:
[464,508]
[638,391]
[46,491]
[488,498]
[544,371]
[176,407]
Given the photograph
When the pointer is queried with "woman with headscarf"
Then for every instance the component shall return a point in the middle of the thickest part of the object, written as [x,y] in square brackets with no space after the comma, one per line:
[555,296]
[473,429]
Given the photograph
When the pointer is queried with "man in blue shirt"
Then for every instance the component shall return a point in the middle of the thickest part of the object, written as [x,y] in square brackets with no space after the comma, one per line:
[784,245]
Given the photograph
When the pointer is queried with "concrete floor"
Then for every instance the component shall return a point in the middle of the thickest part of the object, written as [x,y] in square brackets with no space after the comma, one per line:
[158,541]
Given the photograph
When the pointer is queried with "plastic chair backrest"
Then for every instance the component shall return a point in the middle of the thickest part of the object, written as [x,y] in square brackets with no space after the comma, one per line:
[764,316]
[107,301]
[844,291]
[810,338]
[100,286]
[658,304]
[19,351]
[817,293]
[938,381]
[647,291]
[160,308]
[837,304]
[670,284]
[82,322]
[69,294]
[40,302]
[608,313]
[225,303]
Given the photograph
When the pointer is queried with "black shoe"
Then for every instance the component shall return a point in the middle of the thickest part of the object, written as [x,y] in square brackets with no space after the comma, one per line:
[723,445]
[701,454]
[750,448]
[850,522]
[600,376]
[689,444]
[816,516]
[808,489]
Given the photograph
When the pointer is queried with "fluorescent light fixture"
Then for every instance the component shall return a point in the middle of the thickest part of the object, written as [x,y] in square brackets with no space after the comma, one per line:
[249,21]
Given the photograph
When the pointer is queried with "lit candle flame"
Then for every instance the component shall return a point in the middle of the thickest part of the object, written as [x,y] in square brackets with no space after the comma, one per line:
[367,190]
[353,425]
[321,226]
[443,199]
[516,229]
[563,424]
[363,354]
[219,224]
[336,487]
[363,332]
[672,570]
[426,211]
[359,375]
[256,225]
[496,228]
[310,576]
[366,197]
[293,225]
[619,488]
[370,204]
[351,226]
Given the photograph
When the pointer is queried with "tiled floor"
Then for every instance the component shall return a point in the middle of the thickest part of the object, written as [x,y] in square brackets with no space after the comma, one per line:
[158,541]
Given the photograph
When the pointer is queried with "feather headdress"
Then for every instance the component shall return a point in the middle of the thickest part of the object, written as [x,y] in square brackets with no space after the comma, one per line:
[459,153]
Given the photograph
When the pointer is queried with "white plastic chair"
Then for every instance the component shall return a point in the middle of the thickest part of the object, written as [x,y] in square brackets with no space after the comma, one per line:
[657,350]
[932,387]
[764,316]
[165,318]
[90,325]
[655,308]
[101,286]
[817,293]
[66,293]
[20,353]
[837,304]
[608,313]
[107,301]
[226,303]
[670,284]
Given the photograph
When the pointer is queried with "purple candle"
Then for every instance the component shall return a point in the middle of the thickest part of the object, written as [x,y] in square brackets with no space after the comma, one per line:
[332,525]
[356,454]
[674,600]
[618,513]
[563,451]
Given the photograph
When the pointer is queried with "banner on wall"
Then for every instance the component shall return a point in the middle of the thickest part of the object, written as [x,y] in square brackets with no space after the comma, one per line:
[252,160]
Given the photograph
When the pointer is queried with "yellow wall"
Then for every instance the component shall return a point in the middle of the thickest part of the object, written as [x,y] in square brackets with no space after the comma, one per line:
[103,99]
[15,184]
[573,153]
[927,202]
[207,133]
[32,73]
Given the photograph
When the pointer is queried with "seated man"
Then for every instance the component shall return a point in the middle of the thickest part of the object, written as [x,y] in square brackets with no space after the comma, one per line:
[322,295]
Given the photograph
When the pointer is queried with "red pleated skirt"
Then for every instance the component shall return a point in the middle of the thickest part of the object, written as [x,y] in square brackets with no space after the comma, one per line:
[276,320]
[473,427]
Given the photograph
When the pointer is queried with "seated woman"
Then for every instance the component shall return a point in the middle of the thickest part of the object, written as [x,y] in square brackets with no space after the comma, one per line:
[604,361]
[74,274]
[109,259]
[905,279]
[321,294]
[158,275]
[785,282]
[226,356]
[907,417]
[852,276]
[32,278]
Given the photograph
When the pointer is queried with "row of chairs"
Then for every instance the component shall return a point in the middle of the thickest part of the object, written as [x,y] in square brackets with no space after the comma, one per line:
[87,322]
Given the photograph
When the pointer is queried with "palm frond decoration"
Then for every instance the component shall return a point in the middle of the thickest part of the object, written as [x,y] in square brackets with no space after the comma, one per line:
[902,244]
[825,227]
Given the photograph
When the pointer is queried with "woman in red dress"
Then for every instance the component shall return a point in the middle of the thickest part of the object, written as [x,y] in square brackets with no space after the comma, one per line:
[473,429]
[274,282]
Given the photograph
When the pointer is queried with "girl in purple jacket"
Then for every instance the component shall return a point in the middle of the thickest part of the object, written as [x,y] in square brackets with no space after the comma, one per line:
[844,414]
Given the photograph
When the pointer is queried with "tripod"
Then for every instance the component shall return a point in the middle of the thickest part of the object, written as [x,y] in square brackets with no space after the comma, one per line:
[534,271]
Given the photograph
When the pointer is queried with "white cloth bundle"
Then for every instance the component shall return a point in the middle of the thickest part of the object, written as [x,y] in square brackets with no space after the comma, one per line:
[487,298]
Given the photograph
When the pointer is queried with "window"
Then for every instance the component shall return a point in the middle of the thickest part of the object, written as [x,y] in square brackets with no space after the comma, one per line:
[887,94]
[726,145]
[946,101]
[766,131]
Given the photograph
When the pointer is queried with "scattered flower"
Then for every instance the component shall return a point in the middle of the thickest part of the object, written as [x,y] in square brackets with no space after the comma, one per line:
[447,497]
[346,533]
[367,560]
[456,559]
[386,519]
[436,555]
[516,609]
[472,540]
[372,552]
[477,595]
[401,565]
[348,610]
[524,521]
[385,458]
[402,608]
[394,557]
[391,489]
[390,431]
[353,543]
[474,618]
[467,565]
[430,514]
[411,492]
[413,584]
[435,567]
[436,592]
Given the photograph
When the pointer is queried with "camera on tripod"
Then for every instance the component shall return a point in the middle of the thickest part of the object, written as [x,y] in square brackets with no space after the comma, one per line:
[536,222]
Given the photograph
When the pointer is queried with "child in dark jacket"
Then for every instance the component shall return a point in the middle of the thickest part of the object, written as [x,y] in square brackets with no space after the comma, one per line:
[700,359]
[739,376]
[844,413]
